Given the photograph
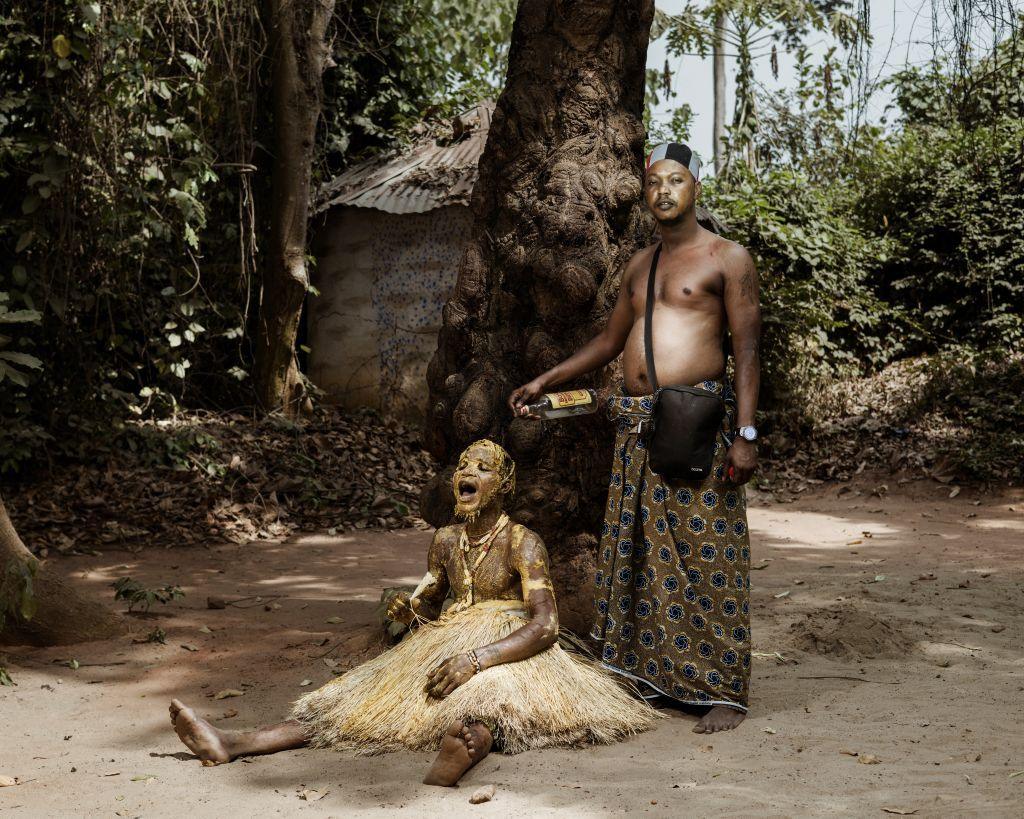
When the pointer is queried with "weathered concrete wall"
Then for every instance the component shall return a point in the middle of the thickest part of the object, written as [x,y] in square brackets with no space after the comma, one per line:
[383,279]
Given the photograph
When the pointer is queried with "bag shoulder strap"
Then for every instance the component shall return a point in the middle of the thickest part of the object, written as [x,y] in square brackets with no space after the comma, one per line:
[649,314]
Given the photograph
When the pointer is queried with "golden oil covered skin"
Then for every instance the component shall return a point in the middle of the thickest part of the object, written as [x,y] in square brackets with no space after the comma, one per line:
[487,672]
[529,691]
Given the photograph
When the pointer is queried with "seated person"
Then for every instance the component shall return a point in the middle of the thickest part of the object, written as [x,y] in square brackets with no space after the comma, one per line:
[489,670]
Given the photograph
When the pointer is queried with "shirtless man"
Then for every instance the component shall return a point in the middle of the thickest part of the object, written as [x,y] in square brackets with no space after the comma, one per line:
[672,585]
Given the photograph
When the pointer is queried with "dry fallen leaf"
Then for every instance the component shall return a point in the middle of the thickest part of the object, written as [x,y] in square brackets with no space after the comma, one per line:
[334,620]
[228,692]
[482,794]
[900,811]
[189,647]
[206,630]
[304,683]
[954,491]
[7,781]
[769,730]
[849,753]
[782,594]
[868,759]
[231,712]
[147,778]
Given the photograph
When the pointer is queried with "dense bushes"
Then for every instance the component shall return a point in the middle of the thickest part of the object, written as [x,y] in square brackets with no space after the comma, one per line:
[134,167]
[821,317]
[951,200]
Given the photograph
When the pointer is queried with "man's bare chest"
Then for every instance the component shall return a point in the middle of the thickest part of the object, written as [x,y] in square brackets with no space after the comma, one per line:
[685,284]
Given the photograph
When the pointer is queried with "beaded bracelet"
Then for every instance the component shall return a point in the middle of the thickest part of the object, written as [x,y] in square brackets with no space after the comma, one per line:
[474,660]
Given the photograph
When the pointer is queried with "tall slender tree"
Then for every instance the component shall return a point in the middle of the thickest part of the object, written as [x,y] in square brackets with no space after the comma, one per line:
[718,76]
[557,216]
[299,52]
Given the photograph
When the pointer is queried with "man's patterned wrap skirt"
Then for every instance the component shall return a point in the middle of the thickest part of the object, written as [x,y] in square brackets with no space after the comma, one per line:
[673,584]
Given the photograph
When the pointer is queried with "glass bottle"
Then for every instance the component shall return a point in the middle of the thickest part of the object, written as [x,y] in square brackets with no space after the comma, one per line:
[554,405]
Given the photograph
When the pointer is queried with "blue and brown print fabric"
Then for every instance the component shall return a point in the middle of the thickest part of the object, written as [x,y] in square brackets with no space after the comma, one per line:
[673,585]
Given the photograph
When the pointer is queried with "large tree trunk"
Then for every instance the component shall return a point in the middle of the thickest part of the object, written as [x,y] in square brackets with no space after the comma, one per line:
[61,615]
[718,74]
[299,53]
[557,216]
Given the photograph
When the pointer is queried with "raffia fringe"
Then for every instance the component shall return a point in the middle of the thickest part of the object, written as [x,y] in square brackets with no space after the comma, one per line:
[555,698]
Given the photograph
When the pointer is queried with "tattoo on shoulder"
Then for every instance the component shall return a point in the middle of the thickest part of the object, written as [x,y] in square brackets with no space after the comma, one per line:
[748,285]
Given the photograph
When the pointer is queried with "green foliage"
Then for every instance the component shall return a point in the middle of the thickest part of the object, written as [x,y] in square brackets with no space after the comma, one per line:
[115,120]
[5,678]
[180,448]
[948,191]
[396,63]
[757,29]
[132,181]
[135,594]
[820,316]
[951,202]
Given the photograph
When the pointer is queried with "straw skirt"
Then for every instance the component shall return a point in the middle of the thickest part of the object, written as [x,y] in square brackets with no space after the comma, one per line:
[556,698]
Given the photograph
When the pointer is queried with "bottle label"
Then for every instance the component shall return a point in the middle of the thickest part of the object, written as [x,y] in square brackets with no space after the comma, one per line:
[572,398]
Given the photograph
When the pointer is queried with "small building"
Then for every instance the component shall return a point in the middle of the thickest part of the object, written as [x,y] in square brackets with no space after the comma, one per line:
[387,240]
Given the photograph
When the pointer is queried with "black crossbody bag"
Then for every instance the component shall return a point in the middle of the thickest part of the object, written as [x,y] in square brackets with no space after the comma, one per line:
[685,421]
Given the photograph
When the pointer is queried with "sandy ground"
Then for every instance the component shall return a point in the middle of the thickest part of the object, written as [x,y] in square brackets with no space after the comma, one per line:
[898,618]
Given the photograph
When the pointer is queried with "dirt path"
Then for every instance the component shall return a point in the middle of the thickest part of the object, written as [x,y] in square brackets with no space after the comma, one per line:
[899,618]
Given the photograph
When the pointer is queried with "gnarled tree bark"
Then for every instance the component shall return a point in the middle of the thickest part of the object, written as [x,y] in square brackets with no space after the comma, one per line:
[62,615]
[557,215]
[299,52]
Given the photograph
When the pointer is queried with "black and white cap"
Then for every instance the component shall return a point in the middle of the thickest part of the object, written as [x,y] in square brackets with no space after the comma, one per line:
[678,151]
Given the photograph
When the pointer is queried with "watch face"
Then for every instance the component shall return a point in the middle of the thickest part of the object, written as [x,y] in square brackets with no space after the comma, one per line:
[749,434]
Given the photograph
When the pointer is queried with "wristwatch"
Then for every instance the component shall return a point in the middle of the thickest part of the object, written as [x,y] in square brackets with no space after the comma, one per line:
[747,433]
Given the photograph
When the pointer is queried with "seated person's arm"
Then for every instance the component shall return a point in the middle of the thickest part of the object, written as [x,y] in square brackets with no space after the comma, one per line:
[531,561]
[427,599]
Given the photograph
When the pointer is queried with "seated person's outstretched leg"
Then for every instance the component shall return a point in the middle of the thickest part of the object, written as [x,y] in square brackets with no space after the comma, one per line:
[500,664]
[214,746]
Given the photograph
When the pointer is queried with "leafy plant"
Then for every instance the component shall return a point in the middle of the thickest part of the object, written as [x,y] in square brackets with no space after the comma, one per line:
[821,317]
[157,635]
[135,594]
[950,201]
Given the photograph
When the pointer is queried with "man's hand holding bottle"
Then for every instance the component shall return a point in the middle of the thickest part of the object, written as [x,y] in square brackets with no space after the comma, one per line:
[528,401]
[523,396]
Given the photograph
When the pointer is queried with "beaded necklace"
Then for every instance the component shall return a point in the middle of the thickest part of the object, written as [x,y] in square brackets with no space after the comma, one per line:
[485,543]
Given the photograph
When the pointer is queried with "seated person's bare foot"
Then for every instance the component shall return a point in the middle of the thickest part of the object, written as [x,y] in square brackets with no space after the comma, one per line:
[201,738]
[461,748]
[719,718]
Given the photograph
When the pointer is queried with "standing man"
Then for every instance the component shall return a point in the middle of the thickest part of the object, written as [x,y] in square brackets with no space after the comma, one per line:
[673,563]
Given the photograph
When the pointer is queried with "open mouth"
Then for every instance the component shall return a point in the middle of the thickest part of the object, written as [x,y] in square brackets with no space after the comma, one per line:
[665,204]
[467,490]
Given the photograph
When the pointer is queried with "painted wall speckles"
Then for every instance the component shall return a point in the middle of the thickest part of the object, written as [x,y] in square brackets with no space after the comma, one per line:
[383,279]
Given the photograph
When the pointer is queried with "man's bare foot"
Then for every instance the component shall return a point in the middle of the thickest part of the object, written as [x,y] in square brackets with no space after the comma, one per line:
[201,738]
[719,718]
[461,748]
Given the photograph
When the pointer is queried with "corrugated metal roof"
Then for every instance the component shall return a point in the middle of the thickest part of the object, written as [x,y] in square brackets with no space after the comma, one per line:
[429,176]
